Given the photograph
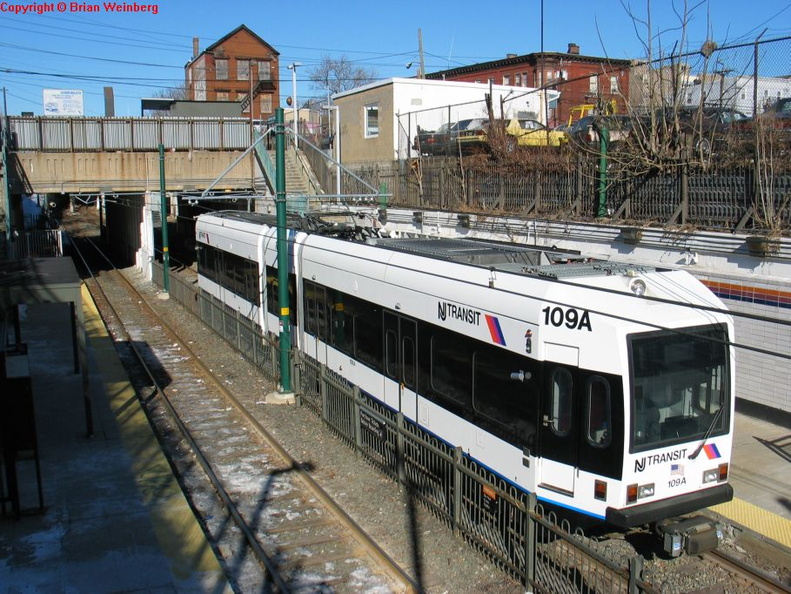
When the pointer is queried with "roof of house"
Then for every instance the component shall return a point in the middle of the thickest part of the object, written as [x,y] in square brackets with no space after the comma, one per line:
[533,58]
[234,32]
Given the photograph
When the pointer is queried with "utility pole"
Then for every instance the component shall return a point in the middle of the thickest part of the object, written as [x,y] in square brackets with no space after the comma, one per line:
[293,68]
[5,140]
[422,73]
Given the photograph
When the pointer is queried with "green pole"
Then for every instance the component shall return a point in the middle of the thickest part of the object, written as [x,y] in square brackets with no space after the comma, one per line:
[382,197]
[282,250]
[604,142]
[164,215]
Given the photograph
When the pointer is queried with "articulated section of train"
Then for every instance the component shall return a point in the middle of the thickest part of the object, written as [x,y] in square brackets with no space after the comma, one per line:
[606,389]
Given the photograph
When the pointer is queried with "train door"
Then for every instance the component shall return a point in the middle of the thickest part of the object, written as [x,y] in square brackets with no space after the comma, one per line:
[400,357]
[558,447]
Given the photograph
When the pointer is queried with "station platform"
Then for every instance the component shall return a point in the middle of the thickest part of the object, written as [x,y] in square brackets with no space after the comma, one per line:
[114,518]
[761,477]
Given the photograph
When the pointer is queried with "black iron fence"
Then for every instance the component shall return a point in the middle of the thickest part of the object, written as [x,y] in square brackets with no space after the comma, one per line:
[502,521]
[723,199]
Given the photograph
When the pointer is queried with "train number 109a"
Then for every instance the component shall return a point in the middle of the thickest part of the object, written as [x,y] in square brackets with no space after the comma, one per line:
[571,318]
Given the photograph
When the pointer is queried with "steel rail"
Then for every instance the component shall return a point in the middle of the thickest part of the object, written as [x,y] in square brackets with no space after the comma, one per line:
[396,572]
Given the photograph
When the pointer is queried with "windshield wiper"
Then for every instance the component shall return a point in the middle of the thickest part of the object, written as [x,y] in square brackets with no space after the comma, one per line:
[706,435]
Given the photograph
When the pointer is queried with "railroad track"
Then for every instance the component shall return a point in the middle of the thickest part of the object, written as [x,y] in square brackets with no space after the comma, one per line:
[273,527]
[662,575]
[745,577]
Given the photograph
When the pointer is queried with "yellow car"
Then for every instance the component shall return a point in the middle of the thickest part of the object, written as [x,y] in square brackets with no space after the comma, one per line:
[534,133]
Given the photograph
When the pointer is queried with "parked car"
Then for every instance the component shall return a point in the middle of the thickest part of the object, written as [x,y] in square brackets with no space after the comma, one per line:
[584,133]
[533,133]
[705,129]
[469,136]
[429,142]
[780,112]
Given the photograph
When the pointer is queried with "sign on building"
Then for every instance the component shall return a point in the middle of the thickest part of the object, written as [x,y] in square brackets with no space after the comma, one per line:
[63,102]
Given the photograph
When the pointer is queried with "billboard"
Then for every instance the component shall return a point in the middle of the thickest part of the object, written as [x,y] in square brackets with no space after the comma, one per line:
[62,102]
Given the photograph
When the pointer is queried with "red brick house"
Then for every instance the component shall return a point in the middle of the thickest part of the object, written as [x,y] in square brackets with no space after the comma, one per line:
[580,79]
[232,67]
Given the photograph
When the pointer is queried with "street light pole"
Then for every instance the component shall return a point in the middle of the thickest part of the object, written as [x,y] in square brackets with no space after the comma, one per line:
[293,68]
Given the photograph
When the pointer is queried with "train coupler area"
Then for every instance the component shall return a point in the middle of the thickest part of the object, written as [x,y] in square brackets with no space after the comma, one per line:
[693,536]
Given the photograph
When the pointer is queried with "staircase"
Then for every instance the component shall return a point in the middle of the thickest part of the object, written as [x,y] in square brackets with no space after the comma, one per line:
[297,179]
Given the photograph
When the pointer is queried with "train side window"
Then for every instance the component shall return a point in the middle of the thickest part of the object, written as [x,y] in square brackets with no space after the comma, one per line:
[558,413]
[599,423]
[409,360]
[391,353]
[273,296]
[316,314]
[367,329]
[451,362]
[503,394]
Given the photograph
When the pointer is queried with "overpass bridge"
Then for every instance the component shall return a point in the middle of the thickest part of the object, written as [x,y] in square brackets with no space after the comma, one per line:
[115,164]
[91,155]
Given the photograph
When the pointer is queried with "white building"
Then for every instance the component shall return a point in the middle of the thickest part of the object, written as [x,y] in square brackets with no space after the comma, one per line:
[735,92]
[379,121]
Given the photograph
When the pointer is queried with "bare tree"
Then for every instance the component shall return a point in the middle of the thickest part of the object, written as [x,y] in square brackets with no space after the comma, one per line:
[335,75]
[178,92]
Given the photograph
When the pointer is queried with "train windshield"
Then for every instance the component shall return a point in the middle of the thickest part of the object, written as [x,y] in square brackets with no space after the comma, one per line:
[680,386]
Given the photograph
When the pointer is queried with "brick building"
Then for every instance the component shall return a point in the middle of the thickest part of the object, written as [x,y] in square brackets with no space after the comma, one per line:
[232,67]
[580,79]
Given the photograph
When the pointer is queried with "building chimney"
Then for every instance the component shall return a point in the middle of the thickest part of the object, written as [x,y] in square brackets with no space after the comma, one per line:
[510,55]
[109,103]
[574,49]
[195,47]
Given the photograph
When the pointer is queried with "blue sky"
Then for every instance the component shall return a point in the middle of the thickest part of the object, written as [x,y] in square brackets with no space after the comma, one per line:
[139,53]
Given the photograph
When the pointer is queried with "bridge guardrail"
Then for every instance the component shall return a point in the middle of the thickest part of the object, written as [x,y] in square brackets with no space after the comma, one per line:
[88,134]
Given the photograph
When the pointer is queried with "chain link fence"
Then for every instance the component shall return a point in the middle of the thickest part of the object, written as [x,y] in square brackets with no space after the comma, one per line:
[704,141]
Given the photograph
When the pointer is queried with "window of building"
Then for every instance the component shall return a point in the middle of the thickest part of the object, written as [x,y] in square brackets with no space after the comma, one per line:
[593,84]
[518,80]
[506,79]
[614,85]
[371,121]
[524,79]
[243,69]
[223,96]
[264,70]
[221,68]
[265,103]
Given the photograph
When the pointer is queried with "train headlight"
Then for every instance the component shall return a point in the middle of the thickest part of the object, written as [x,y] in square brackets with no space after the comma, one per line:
[637,286]
[710,476]
[716,475]
[645,491]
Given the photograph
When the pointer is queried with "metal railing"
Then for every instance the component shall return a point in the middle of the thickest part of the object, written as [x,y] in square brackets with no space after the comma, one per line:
[502,521]
[44,243]
[80,134]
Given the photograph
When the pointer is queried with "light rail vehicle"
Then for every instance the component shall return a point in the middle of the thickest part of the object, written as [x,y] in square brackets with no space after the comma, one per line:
[607,389]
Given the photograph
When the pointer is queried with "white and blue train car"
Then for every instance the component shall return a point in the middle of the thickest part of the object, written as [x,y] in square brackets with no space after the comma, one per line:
[604,388]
